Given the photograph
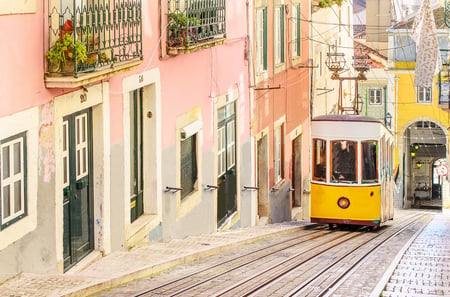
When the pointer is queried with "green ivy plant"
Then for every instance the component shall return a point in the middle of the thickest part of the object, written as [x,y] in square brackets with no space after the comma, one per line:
[329,3]
[64,49]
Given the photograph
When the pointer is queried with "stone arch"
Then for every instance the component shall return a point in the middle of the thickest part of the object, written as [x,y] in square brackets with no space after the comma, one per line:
[422,142]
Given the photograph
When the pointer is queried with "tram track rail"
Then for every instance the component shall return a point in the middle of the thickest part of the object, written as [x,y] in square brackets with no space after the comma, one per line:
[241,260]
[331,287]
[280,272]
[280,260]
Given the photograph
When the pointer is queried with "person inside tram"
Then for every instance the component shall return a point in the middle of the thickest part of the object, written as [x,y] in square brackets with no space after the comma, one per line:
[344,166]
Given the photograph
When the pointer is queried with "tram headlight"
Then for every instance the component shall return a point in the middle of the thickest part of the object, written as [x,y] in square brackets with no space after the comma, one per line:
[343,202]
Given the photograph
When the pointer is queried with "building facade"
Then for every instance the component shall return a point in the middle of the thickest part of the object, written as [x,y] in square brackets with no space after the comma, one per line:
[331,41]
[422,119]
[280,83]
[139,131]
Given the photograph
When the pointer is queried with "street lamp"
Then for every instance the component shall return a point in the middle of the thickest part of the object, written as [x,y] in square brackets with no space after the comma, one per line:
[336,63]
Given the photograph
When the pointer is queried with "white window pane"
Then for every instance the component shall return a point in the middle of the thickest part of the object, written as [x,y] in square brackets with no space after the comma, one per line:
[277,37]
[294,30]
[17,196]
[65,174]
[5,162]
[260,40]
[12,179]
[17,158]
[6,205]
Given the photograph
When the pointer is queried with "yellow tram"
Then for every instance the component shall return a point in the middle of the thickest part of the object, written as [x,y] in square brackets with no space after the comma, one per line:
[352,171]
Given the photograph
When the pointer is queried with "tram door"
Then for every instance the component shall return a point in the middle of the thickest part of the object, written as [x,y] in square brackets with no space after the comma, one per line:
[262,175]
[136,155]
[77,192]
[297,171]
[226,150]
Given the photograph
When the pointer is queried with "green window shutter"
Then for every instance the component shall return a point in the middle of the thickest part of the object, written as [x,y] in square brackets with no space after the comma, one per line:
[282,32]
[265,37]
[298,23]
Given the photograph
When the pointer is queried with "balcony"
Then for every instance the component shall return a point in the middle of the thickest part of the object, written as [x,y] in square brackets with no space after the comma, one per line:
[193,25]
[89,41]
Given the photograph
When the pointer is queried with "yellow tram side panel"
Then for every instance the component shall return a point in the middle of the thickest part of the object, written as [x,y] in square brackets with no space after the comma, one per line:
[365,203]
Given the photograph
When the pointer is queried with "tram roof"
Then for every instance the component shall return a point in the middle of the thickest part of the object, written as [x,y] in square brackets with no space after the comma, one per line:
[345,118]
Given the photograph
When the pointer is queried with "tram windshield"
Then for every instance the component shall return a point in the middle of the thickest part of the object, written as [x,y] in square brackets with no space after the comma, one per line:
[369,161]
[344,161]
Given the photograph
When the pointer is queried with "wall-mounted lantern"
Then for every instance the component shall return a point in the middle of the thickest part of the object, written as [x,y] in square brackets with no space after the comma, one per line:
[388,120]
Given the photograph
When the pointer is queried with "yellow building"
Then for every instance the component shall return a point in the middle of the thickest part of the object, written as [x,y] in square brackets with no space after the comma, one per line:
[421,121]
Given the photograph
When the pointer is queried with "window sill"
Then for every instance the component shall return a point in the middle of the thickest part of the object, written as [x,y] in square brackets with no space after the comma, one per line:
[179,50]
[69,81]
[137,232]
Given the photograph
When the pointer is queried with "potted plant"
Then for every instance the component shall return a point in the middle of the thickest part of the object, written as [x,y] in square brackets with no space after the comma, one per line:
[62,54]
[179,31]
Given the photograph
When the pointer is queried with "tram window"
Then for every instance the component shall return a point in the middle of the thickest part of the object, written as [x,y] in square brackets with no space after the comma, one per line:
[320,160]
[369,162]
[344,161]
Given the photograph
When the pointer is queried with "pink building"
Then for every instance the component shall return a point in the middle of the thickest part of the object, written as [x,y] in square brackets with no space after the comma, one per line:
[123,121]
[281,109]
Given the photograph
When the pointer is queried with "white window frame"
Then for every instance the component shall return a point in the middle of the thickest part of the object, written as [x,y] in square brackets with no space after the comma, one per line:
[221,152]
[12,177]
[231,144]
[277,35]
[278,152]
[14,125]
[81,142]
[260,40]
[375,93]
[424,95]
[296,26]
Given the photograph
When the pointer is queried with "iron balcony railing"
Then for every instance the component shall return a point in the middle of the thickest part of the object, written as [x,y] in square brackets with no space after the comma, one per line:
[193,21]
[89,35]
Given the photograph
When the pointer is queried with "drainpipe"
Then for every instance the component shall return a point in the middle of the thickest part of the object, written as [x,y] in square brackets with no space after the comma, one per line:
[367,102]
[396,78]
[385,106]
[251,85]
[403,182]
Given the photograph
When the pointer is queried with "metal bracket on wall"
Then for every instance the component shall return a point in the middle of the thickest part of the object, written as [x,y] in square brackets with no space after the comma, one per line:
[172,189]
[210,188]
[250,188]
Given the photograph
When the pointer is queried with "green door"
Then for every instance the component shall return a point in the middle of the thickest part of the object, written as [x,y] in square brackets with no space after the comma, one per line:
[77,191]
[226,150]
[136,156]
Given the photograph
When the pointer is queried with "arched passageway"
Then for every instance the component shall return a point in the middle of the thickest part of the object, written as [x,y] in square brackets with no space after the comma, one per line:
[425,168]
